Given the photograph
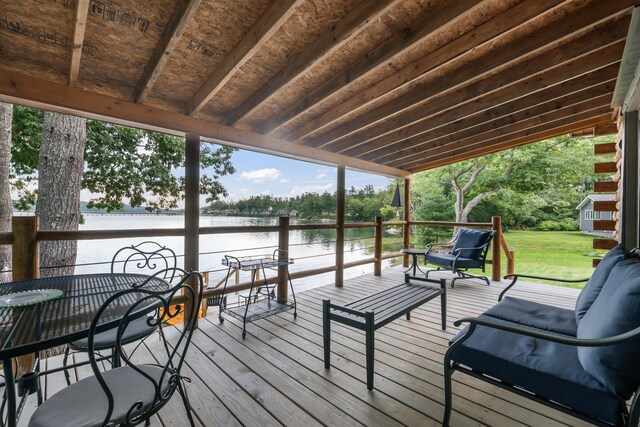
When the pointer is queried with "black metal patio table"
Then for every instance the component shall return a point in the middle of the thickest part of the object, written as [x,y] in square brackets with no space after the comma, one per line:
[30,329]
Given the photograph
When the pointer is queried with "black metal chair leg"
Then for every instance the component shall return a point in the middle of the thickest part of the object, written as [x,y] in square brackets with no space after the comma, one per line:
[185,401]
[447,392]
[326,333]
[67,377]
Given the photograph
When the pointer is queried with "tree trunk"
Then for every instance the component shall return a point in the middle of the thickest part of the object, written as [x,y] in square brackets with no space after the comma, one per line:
[60,167]
[6,206]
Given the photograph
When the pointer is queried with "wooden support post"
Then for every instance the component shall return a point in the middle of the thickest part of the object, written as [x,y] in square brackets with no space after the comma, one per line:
[377,266]
[407,219]
[511,263]
[283,246]
[496,248]
[630,197]
[25,266]
[340,204]
[192,210]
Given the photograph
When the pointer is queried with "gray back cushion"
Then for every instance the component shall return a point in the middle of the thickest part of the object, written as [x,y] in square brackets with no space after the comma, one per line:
[594,285]
[615,311]
[471,239]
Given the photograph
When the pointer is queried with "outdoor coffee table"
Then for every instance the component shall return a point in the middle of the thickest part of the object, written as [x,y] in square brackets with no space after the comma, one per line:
[415,253]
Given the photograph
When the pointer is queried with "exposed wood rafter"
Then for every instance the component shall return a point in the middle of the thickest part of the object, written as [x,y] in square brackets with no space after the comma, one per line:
[168,41]
[79,26]
[33,92]
[343,31]
[270,22]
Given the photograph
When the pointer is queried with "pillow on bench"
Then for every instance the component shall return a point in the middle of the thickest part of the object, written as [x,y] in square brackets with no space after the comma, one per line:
[598,278]
[615,311]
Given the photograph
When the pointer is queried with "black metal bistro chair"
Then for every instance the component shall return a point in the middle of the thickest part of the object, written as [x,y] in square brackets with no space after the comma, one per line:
[469,250]
[146,257]
[130,394]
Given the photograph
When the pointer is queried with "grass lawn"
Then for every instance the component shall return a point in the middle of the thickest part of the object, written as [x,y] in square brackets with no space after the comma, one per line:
[559,254]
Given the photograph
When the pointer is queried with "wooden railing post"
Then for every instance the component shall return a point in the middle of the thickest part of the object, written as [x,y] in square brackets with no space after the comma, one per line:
[340,205]
[283,245]
[496,248]
[192,211]
[377,266]
[25,266]
[406,240]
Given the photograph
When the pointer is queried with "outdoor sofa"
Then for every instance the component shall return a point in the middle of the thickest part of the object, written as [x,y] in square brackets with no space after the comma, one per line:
[585,362]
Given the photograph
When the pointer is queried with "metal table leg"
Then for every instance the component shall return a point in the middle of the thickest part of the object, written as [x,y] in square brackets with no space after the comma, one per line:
[10,392]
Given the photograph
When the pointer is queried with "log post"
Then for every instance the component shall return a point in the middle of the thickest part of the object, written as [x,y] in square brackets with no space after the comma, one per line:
[283,246]
[192,211]
[406,241]
[25,266]
[377,266]
[340,205]
[496,248]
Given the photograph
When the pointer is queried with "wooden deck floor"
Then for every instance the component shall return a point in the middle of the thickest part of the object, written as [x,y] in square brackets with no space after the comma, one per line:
[276,375]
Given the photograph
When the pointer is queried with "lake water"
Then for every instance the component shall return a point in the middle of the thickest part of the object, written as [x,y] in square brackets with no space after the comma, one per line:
[309,248]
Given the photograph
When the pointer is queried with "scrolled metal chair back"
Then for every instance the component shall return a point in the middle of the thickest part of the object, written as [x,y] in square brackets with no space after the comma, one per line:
[147,257]
[151,298]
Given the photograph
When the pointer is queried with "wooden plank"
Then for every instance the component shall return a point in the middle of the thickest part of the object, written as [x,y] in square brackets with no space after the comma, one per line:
[605,167]
[489,30]
[184,11]
[503,128]
[436,21]
[466,120]
[604,225]
[605,206]
[350,26]
[268,24]
[608,148]
[606,244]
[536,74]
[605,187]
[20,89]
[530,49]
[542,123]
[79,26]
[595,262]
[454,157]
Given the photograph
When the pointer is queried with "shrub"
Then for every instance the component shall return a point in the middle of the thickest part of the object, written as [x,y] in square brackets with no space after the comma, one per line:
[562,225]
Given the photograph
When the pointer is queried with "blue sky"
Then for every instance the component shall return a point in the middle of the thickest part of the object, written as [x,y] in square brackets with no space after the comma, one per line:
[258,173]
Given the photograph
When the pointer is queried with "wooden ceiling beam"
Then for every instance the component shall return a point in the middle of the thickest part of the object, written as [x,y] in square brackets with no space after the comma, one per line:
[550,37]
[180,18]
[594,50]
[455,123]
[79,27]
[435,21]
[535,135]
[350,26]
[588,108]
[25,90]
[268,24]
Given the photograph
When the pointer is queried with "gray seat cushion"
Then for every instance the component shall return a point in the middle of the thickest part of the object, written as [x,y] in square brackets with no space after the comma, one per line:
[135,330]
[535,315]
[84,403]
[614,312]
[596,281]
[446,260]
[471,239]
[551,370]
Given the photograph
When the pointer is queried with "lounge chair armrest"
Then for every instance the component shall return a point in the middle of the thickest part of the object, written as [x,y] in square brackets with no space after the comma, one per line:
[515,278]
[546,335]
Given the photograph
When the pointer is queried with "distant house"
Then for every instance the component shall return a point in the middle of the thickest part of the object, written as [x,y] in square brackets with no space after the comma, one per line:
[588,215]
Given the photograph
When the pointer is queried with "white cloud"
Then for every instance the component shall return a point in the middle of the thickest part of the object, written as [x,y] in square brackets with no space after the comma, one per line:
[300,189]
[321,175]
[261,175]
[284,180]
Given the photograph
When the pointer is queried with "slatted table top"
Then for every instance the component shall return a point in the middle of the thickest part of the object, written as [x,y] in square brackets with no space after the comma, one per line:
[48,324]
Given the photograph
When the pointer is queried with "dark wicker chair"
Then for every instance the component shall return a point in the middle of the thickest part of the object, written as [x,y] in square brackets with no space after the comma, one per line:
[470,248]
[147,258]
[133,393]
